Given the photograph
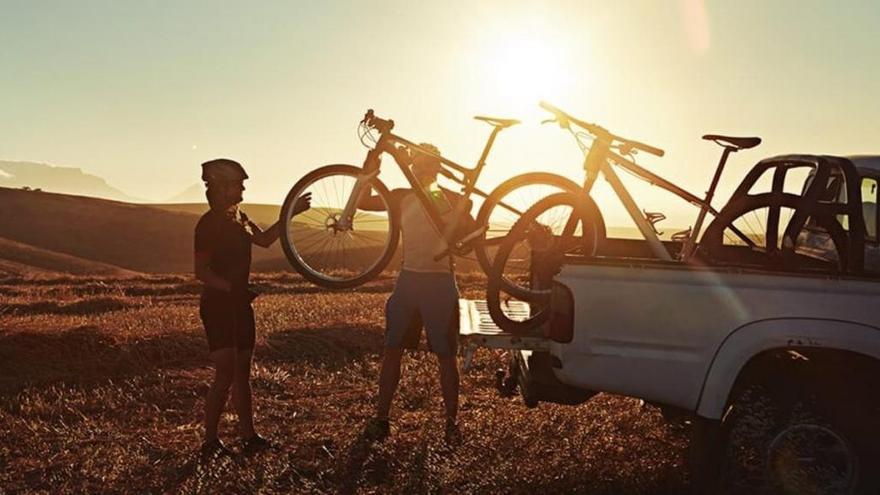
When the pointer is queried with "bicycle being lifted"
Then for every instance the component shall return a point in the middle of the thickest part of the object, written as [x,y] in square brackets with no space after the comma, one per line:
[570,223]
[338,246]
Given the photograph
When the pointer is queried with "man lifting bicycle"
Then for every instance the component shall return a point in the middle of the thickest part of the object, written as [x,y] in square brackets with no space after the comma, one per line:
[425,293]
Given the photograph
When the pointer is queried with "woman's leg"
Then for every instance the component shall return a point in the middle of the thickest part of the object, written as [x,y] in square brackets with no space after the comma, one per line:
[224,360]
[242,396]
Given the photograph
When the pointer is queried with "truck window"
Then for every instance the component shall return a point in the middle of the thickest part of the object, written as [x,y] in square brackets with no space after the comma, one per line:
[869,207]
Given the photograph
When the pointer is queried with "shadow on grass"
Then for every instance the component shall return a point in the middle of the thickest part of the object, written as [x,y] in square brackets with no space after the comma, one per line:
[86,354]
[92,306]
[329,347]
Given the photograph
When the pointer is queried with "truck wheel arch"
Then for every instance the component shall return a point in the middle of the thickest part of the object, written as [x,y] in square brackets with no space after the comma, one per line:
[753,339]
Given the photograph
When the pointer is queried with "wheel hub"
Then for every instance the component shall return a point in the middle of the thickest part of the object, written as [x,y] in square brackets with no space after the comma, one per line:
[805,458]
[334,224]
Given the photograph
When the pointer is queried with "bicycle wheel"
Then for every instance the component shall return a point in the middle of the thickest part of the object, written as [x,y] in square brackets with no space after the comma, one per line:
[820,243]
[506,204]
[323,251]
[560,224]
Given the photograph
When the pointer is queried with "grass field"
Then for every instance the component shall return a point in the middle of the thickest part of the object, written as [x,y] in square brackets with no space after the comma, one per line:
[102,383]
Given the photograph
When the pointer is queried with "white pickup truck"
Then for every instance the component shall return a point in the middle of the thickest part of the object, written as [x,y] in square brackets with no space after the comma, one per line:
[774,368]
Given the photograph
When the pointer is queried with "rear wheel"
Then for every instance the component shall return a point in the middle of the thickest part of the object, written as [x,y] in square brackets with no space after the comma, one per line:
[558,225]
[775,242]
[507,203]
[317,242]
[798,439]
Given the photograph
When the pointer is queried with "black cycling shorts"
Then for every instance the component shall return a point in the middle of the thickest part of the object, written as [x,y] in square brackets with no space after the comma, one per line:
[227,324]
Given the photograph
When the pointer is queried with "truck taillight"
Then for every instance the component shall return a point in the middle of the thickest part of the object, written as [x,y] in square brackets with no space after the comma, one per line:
[561,325]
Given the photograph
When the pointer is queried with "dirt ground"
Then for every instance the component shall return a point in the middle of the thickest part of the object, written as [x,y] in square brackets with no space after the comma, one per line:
[102,384]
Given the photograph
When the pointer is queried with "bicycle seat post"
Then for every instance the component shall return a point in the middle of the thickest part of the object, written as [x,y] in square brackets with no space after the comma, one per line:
[688,247]
[472,182]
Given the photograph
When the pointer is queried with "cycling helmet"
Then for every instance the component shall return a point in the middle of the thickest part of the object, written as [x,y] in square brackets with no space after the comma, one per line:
[223,169]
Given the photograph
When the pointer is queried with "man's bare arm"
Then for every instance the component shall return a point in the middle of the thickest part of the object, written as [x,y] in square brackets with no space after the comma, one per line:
[375,203]
[371,203]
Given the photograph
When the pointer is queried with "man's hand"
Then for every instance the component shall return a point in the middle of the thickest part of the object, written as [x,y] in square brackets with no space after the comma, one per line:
[303,203]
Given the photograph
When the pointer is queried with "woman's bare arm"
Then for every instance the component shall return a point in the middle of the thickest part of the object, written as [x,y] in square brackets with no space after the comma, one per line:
[264,238]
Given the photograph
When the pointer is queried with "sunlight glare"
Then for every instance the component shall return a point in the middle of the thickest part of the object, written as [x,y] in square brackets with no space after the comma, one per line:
[523,67]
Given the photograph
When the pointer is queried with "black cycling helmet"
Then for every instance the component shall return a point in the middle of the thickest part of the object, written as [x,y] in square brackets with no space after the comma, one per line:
[223,169]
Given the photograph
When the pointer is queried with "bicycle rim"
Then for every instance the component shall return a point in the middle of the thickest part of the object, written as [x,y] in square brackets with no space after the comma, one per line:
[318,243]
[506,205]
[558,225]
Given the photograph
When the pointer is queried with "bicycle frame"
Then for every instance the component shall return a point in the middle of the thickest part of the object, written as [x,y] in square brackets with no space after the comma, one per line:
[597,161]
[387,143]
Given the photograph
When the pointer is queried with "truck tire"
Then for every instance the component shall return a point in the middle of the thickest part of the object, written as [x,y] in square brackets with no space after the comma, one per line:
[783,437]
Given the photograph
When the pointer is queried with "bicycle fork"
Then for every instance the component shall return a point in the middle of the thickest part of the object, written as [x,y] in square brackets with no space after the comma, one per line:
[361,186]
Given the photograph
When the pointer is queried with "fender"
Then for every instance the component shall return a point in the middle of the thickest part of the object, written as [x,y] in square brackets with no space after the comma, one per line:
[754,338]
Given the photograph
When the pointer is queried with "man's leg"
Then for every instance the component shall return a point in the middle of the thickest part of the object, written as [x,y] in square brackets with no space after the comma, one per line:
[224,360]
[389,376]
[449,385]
[242,396]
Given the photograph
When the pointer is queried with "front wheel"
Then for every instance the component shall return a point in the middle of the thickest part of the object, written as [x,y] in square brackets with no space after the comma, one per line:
[321,245]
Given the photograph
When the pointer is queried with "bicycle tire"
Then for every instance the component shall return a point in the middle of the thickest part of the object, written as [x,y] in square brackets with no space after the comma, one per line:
[564,184]
[712,242]
[584,209]
[296,259]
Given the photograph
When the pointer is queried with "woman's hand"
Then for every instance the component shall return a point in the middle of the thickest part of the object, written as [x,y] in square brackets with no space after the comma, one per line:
[303,203]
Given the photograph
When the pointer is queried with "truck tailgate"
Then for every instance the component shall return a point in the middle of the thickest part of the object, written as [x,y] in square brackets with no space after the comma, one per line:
[476,329]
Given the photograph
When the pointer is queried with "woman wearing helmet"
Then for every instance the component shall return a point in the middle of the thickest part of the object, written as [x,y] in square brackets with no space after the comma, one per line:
[223,238]
[425,293]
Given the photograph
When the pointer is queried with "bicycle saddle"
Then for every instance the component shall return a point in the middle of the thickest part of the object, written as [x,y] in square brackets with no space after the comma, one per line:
[740,143]
[497,122]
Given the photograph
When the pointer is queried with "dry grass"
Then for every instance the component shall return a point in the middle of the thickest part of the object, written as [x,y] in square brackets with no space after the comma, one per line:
[102,384]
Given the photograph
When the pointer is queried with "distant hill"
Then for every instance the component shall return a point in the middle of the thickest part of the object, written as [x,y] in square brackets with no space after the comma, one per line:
[133,237]
[74,234]
[17,258]
[263,215]
[58,179]
[192,194]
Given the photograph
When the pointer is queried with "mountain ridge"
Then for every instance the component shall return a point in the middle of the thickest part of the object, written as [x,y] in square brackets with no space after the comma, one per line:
[59,179]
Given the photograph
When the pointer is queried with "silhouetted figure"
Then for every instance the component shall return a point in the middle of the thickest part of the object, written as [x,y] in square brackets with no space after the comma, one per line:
[223,239]
[425,294]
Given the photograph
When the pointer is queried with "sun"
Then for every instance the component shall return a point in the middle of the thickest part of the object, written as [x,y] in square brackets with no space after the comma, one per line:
[523,67]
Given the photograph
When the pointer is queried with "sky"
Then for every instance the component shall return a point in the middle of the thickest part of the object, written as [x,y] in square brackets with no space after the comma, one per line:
[140,93]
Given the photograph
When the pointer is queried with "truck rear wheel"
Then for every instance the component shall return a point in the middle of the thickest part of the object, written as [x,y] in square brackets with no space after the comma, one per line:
[784,437]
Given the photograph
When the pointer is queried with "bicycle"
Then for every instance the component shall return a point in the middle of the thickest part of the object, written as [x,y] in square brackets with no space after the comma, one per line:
[337,246]
[556,225]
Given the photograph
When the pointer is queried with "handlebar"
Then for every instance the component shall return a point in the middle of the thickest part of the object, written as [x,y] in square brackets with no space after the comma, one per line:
[381,125]
[625,145]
